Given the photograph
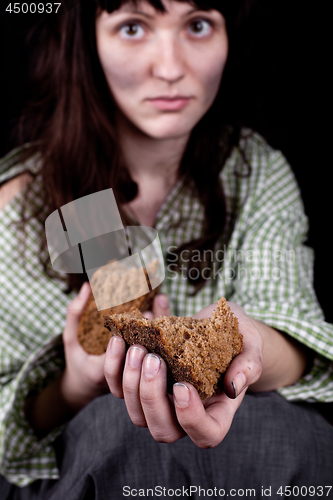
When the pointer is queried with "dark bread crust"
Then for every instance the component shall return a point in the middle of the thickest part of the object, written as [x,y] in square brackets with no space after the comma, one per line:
[149,337]
[195,351]
[92,334]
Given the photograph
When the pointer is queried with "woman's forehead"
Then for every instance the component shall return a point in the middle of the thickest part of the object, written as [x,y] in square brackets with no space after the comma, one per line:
[161,5]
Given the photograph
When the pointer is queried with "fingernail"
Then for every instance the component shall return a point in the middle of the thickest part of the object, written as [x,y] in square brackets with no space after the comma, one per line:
[151,365]
[181,394]
[115,346]
[136,355]
[163,301]
[239,384]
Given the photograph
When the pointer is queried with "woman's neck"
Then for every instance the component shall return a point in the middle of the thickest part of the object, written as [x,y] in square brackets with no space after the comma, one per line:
[147,158]
[154,165]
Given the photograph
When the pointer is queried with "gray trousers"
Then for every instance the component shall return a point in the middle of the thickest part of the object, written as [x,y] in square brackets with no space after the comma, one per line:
[273,446]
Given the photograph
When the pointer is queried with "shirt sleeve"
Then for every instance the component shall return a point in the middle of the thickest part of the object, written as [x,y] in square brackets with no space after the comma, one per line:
[273,272]
[32,312]
[23,457]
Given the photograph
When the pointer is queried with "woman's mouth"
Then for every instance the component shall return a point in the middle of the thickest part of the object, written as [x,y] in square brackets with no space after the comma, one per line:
[165,103]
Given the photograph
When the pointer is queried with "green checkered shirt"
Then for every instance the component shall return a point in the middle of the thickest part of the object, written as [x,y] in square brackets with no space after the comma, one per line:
[266,268]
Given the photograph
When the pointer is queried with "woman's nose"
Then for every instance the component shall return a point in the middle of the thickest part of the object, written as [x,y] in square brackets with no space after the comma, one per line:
[169,62]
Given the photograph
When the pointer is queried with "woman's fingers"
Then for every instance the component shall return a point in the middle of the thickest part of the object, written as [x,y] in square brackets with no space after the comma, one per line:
[246,368]
[143,385]
[148,315]
[131,384]
[206,425]
[160,307]
[113,365]
[158,410]
[84,375]
[74,312]
[142,382]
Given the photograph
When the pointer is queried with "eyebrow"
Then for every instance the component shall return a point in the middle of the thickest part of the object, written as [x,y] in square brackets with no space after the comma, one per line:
[195,9]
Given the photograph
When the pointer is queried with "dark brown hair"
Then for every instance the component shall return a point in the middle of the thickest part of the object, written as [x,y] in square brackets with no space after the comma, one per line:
[69,122]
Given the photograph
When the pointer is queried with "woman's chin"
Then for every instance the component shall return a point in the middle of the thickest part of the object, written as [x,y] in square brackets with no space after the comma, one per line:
[173,130]
[170,125]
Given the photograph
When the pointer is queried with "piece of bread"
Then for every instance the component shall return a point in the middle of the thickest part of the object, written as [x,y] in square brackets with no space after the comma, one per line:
[195,351]
[116,283]
[92,334]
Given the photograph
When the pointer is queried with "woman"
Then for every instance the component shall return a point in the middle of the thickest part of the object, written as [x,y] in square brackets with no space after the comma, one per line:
[134,96]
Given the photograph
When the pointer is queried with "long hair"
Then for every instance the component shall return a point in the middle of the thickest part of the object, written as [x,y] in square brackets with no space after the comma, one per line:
[70,123]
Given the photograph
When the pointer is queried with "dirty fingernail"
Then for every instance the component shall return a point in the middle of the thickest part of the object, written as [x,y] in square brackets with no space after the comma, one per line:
[239,383]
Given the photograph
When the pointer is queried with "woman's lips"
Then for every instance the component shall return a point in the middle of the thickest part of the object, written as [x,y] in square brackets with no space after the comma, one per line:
[170,103]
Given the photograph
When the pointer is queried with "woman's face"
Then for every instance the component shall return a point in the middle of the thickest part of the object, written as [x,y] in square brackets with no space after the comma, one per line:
[163,69]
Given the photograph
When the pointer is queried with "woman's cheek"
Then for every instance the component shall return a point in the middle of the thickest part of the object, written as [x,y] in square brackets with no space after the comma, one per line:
[120,75]
[212,79]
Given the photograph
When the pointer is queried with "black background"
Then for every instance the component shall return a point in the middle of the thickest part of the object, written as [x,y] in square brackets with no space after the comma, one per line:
[288,103]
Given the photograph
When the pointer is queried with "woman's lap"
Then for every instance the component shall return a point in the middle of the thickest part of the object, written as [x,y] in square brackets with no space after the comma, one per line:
[271,444]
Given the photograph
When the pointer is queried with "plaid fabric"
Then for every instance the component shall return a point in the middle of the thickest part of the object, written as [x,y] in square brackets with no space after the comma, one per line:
[265,267]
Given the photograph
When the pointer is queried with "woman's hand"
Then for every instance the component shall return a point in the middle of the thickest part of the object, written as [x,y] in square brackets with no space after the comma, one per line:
[141,379]
[83,379]
[246,368]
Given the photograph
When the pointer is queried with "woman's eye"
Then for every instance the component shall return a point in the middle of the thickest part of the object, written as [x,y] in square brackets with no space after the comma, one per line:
[200,28]
[132,30]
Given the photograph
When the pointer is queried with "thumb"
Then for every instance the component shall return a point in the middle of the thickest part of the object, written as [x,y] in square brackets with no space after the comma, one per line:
[161,306]
[75,310]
